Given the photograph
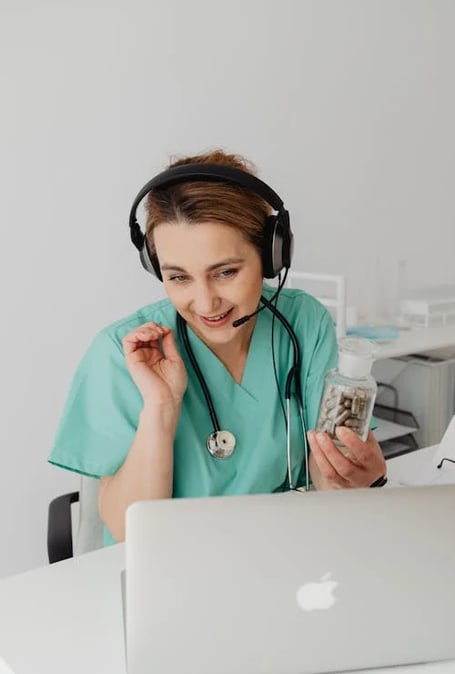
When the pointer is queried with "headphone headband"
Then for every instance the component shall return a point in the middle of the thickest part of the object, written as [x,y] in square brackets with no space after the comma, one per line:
[281,239]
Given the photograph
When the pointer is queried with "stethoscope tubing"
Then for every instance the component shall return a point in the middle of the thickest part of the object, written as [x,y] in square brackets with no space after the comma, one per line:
[181,324]
[293,374]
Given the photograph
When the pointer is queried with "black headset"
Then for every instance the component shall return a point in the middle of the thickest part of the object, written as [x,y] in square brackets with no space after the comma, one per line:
[277,242]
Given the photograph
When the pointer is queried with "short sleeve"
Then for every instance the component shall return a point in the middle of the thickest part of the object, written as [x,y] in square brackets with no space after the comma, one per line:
[323,359]
[100,417]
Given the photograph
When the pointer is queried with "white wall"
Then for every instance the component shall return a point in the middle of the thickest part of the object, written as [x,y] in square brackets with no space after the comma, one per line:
[346,107]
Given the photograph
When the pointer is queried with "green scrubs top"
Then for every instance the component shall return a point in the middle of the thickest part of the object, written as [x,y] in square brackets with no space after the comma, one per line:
[101,414]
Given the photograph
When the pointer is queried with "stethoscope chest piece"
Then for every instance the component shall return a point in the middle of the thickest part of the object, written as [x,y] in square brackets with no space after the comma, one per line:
[221,444]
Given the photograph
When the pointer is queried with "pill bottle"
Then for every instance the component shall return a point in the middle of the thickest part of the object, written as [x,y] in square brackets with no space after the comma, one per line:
[349,391]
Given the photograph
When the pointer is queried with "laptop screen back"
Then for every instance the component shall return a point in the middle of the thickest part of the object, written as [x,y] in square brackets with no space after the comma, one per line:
[291,583]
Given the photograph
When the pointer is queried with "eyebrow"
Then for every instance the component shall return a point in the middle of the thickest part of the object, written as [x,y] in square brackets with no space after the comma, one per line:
[223,263]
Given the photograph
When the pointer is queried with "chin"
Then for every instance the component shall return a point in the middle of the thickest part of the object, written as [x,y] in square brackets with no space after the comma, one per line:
[223,334]
[220,336]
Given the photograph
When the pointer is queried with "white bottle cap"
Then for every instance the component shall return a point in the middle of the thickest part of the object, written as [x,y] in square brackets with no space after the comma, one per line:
[356,356]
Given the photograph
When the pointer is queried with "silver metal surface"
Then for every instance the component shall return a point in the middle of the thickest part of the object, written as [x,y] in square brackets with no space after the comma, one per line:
[214,586]
[221,444]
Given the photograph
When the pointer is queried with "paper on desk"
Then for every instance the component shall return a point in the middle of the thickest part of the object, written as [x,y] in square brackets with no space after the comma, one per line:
[4,668]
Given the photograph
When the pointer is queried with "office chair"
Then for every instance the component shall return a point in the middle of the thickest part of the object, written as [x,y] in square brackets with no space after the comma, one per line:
[89,534]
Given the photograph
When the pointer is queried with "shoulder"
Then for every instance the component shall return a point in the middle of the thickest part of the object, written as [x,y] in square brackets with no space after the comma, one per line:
[161,312]
[311,322]
[299,307]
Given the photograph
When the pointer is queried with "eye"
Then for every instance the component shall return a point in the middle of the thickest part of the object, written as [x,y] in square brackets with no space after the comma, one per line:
[227,273]
[178,278]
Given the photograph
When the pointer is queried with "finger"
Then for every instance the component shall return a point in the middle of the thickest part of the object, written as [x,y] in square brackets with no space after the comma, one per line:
[146,332]
[348,470]
[326,468]
[169,347]
[145,336]
[360,452]
[369,454]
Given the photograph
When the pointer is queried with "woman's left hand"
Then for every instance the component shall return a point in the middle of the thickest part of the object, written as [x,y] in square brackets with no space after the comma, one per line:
[359,466]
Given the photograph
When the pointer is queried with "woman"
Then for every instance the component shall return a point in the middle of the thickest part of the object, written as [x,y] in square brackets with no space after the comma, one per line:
[137,415]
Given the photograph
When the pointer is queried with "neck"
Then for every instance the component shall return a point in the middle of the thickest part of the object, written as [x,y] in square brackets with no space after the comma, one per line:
[234,354]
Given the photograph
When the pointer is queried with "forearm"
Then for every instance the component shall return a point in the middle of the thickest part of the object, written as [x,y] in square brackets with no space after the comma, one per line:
[147,471]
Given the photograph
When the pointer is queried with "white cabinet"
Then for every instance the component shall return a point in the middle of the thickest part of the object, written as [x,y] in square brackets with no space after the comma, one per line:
[426,387]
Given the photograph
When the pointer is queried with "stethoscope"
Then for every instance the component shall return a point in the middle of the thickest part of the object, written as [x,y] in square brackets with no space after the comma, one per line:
[221,443]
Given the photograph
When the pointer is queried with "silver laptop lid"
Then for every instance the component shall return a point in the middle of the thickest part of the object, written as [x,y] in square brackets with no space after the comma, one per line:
[291,583]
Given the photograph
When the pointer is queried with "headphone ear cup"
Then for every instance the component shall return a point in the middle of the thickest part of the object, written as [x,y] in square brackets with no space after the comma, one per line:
[277,244]
[268,268]
[276,250]
[150,261]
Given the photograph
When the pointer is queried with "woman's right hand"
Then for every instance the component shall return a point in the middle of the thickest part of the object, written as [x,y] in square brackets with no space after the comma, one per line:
[157,369]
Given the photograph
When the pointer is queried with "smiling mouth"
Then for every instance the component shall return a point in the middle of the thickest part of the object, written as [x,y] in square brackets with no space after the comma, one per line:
[217,318]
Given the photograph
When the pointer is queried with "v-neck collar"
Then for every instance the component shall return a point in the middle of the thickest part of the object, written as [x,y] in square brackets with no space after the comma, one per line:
[255,372]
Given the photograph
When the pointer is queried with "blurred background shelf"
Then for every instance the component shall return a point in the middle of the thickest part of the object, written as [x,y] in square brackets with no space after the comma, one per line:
[395,429]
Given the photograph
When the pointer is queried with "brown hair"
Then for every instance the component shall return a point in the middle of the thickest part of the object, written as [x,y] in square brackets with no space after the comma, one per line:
[197,202]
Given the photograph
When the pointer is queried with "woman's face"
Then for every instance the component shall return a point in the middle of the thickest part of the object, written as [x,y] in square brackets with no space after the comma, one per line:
[211,274]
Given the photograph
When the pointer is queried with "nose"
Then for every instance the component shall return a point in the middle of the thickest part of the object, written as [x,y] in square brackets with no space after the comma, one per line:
[206,300]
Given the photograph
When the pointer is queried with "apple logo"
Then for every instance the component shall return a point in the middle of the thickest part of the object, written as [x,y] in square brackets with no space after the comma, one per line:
[312,596]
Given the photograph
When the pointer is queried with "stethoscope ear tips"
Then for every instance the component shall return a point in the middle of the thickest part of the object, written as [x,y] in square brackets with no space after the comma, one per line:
[221,444]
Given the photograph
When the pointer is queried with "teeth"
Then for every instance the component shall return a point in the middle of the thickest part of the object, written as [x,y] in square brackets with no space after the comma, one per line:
[218,318]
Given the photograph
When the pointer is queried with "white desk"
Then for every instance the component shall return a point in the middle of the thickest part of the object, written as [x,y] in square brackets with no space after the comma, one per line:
[68,617]
[417,340]
[419,468]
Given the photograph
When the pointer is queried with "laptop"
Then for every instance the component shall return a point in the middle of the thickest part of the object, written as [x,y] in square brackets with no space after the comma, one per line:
[293,583]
